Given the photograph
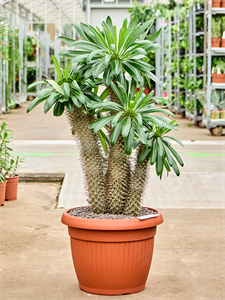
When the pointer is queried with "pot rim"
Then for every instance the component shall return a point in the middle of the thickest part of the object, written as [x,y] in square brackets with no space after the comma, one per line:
[105,224]
[16,175]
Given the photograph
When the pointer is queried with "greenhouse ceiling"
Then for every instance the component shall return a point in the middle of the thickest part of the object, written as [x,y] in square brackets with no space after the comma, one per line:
[46,11]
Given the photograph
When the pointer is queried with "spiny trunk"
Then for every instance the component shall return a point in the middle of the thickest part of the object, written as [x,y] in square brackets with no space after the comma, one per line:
[138,184]
[91,159]
[118,173]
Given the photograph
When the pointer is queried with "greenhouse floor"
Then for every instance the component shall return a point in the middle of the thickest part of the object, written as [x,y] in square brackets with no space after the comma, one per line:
[188,262]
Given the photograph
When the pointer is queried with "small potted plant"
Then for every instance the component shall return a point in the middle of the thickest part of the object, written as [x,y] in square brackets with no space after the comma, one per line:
[112,238]
[2,181]
[218,70]
[216,32]
[12,178]
[9,163]
[223,31]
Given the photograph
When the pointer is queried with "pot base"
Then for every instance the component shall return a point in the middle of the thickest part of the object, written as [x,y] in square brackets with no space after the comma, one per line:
[112,292]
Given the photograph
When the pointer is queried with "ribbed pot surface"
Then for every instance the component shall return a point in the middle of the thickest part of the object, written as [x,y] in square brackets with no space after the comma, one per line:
[2,192]
[11,188]
[112,257]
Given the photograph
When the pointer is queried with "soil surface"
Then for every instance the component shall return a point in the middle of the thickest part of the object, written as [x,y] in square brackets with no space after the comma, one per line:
[85,212]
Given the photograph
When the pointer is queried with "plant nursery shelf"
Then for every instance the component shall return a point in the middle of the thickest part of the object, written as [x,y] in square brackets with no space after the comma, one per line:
[217,10]
[200,33]
[31,64]
[219,86]
[217,51]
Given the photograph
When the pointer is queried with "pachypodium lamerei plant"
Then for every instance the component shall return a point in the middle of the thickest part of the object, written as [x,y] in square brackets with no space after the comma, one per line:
[108,127]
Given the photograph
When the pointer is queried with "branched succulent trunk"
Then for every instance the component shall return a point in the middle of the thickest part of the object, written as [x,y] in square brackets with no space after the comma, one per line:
[91,159]
[118,173]
[138,184]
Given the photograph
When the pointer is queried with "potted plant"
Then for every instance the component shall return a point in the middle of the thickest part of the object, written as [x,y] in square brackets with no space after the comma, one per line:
[9,164]
[218,70]
[2,180]
[12,178]
[200,5]
[216,32]
[223,31]
[109,128]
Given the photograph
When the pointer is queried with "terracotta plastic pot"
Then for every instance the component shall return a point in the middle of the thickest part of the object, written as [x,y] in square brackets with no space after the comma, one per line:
[218,78]
[215,3]
[223,3]
[12,188]
[215,42]
[147,90]
[223,40]
[2,192]
[112,257]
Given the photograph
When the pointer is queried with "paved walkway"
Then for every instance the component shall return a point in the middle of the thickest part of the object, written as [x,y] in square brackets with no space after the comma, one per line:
[188,261]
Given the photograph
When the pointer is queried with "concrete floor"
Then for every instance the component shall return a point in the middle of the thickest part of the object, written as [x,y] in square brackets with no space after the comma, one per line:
[188,262]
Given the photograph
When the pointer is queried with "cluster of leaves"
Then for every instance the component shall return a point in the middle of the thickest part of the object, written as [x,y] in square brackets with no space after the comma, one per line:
[110,54]
[29,46]
[8,163]
[132,117]
[219,64]
[66,93]
[216,27]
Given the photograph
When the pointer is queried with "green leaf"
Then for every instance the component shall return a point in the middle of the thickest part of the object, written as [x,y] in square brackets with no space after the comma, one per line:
[139,119]
[176,155]
[124,23]
[129,141]
[92,96]
[67,71]
[67,41]
[116,91]
[109,105]
[58,109]
[35,102]
[126,126]
[75,85]
[45,92]
[110,24]
[168,155]
[116,132]
[56,86]
[116,66]
[107,76]
[58,72]
[115,37]
[136,143]
[104,94]
[98,124]
[175,139]
[92,54]
[160,146]
[159,165]
[75,100]
[144,154]
[35,84]
[50,101]
[153,153]
[140,132]
[175,168]
[66,89]
[79,95]
[70,105]
[103,142]
[116,118]
[154,36]
[166,165]
[80,32]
